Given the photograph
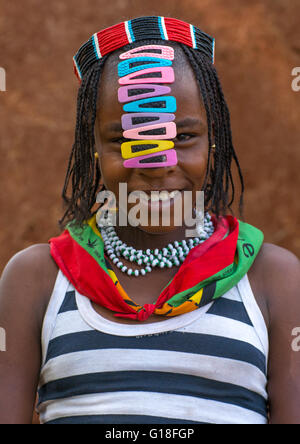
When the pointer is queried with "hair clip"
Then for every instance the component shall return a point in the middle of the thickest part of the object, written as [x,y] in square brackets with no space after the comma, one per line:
[159,51]
[158,131]
[163,104]
[136,148]
[137,120]
[139,63]
[163,74]
[158,160]
[143,91]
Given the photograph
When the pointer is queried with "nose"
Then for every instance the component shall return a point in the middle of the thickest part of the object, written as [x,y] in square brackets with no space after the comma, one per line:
[156,173]
[162,164]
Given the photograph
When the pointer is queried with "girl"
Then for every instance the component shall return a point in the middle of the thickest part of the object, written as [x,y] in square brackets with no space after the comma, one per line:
[140,323]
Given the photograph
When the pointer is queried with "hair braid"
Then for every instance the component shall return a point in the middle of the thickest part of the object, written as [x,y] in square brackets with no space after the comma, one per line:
[83,171]
[222,184]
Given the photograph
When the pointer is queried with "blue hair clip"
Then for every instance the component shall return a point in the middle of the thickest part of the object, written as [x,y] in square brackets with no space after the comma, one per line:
[135,64]
[163,104]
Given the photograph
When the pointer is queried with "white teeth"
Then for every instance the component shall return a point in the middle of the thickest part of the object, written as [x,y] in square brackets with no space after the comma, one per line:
[174,193]
[144,198]
[154,197]
[164,195]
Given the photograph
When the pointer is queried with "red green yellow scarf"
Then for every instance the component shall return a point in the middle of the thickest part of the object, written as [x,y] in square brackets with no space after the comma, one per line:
[209,271]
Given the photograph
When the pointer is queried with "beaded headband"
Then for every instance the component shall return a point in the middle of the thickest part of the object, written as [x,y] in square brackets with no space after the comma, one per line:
[142,28]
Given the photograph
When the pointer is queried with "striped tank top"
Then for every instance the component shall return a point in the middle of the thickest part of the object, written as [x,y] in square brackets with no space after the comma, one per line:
[206,366]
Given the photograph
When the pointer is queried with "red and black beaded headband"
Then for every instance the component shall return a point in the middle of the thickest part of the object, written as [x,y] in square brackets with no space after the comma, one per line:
[142,28]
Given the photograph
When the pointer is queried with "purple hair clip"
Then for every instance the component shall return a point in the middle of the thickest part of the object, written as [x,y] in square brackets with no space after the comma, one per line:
[137,120]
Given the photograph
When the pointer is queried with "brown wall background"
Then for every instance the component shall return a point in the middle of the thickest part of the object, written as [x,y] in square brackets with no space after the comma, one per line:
[257,46]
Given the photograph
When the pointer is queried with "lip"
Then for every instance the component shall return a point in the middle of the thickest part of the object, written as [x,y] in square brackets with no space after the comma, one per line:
[149,190]
[155,205]
[164,194]
[158,190]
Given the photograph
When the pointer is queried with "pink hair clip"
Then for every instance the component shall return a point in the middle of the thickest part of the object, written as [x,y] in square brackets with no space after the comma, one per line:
[141,91]
[163,74]
[159,51]
[157,160]
[158,131]
[137,120]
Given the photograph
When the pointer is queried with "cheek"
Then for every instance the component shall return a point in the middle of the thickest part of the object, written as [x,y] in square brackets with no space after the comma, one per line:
[193,161]
[112,171]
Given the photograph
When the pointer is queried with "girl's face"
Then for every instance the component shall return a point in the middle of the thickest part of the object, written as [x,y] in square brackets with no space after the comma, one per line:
[191,143]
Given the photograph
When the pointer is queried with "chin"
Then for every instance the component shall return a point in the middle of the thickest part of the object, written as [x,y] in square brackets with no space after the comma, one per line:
[158,229]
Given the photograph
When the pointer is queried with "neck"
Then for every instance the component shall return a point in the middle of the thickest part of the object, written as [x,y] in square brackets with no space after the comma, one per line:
[142,240]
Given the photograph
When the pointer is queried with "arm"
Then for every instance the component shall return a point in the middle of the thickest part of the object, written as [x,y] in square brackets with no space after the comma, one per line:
[25,287]
[281,282]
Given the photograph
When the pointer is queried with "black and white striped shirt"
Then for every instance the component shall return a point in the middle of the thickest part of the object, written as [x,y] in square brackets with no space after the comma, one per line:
[207,366]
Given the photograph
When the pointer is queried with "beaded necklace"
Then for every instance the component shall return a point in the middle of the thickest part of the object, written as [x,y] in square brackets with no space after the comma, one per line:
[171,256]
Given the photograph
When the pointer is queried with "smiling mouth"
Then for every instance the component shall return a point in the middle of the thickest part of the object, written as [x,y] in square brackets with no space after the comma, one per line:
[157,200]
[156,196]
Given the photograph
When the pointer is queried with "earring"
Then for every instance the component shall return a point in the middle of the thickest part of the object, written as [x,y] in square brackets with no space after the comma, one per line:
[213,147]
[96,155]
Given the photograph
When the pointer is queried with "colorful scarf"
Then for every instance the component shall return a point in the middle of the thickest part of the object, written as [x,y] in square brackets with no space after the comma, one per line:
[209,271]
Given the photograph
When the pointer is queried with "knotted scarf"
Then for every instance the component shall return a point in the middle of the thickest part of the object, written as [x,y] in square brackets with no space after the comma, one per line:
[209,270]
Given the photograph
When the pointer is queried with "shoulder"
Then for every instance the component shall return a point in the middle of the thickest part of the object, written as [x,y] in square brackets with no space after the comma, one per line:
[275,264]
[35,261]
[275,277]
[29,277]
[25,289]
[278,276]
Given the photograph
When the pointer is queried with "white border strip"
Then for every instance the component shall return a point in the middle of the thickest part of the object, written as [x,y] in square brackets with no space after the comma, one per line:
[163,25]
[128,32]
[77,67]
[96,44]
[193,36]
[214,51]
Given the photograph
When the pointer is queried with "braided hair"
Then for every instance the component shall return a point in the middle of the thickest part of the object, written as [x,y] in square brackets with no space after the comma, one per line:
[83,170]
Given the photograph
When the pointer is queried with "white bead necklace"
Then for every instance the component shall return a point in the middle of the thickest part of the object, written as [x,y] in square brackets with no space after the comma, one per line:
[172,255]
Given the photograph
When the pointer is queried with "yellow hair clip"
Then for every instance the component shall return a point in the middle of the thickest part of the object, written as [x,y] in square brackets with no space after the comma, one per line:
[138,148]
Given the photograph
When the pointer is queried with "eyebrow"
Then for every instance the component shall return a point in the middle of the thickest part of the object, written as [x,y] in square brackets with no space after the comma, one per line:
[116,127]
[189,122]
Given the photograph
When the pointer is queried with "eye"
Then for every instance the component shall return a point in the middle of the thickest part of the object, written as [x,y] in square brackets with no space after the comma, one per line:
[184,137]
[120,140]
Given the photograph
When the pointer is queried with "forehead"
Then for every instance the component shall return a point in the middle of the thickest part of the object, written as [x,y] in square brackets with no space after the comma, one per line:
[185,89]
